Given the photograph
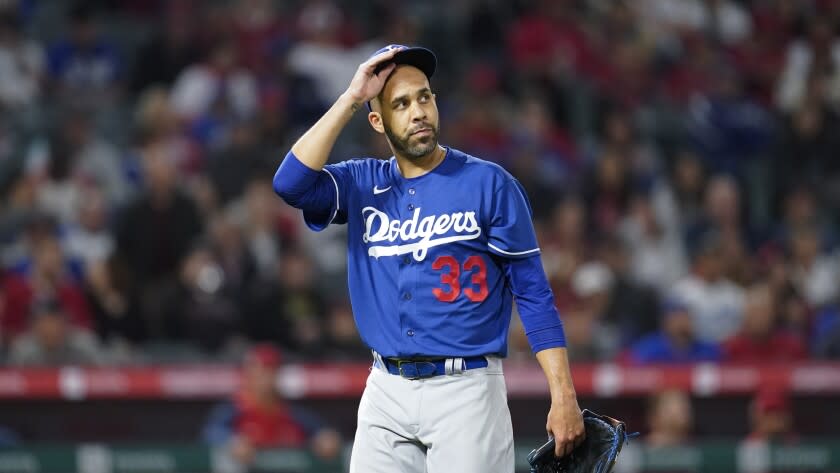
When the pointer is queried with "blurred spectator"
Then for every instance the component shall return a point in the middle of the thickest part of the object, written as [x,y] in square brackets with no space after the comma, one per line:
[113,300]
[215,92]
[485,28]
[690,79]
[621,136]
[771,417]
[259,31]
[78,157]
[257,417]
[800,209]
[796,316]
[722,214]
[547,41]
[89,240]
[714,302]
[234,257]
[288,309]
[728,127]
[83,66]
[52,340]
[760,339]
[158,125]
[482,129]
[689,181]
[564,247]
[826,343]
[21,65]
[320,54]
[551,146]
[153,235]
[160,60]
[207,300]
[232,167]
[591,337]
[676,342]
[342,337]
[633,306]
[813,272]
[47,277]
[815,56]
[658,256]
[269,225]
[670,419]
[608,192]
[804,156]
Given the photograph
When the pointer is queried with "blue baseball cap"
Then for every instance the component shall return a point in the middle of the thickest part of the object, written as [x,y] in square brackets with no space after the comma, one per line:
[419,57]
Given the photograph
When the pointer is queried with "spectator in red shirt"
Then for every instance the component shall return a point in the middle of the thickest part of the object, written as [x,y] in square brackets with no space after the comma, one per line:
[257,417]
[771,418]
[47,278]
[760,339]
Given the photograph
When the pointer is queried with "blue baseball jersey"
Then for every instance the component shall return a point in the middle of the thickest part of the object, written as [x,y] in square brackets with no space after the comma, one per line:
[427,256]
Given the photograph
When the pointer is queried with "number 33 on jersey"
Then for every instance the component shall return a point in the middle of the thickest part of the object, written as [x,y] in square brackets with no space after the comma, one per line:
[427,255]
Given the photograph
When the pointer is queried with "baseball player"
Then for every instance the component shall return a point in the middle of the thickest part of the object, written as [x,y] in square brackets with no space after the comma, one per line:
[440,243]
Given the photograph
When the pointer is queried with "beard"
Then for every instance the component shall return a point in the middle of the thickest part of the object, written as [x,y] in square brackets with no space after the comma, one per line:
[410,147]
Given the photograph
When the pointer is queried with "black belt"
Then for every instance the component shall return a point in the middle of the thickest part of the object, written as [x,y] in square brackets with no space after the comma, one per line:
[427,368]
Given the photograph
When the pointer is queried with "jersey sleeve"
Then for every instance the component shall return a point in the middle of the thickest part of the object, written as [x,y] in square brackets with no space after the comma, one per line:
[321,195]
[511,231]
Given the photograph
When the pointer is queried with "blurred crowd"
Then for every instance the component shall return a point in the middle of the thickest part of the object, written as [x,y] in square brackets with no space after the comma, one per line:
[678,156]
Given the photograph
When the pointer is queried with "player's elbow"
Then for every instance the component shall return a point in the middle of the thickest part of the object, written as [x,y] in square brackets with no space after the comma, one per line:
[283,188]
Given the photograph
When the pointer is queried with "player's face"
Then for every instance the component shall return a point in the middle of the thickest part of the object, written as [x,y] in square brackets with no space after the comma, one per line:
[409,113]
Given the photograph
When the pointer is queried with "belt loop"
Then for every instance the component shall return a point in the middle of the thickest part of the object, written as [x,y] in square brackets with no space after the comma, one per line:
[448,365]
[455,365]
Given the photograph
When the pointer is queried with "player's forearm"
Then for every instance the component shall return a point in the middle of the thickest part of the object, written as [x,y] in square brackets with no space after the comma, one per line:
[314,147]
[555,365]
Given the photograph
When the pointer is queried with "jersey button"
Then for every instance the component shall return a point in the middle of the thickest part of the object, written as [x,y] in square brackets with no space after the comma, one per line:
[407,296]
[407,259]
[410,206]
[410,333]
[412,191]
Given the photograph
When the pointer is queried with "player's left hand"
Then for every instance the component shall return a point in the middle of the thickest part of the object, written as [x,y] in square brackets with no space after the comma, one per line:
[565,424]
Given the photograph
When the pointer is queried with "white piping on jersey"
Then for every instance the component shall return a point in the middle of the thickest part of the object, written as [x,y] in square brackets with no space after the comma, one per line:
[419,249]
[512,253]
[337,203]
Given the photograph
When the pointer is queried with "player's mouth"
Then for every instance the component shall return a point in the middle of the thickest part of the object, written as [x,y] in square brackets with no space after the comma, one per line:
[422,132]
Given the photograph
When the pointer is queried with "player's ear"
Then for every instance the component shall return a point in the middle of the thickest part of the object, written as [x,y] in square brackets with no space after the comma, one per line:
[375,120]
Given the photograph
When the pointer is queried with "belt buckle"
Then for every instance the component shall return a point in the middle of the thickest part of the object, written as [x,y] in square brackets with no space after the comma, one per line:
[415,369]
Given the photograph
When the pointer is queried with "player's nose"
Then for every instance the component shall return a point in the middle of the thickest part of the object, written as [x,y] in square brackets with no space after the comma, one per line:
[418,112]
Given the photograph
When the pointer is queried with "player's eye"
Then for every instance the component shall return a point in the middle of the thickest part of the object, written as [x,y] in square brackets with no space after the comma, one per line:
[424,98]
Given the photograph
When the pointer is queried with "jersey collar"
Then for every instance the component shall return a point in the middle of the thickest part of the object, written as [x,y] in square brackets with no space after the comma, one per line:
[450,163]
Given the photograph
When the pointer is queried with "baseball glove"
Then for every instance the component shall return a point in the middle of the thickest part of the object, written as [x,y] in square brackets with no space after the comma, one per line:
[596,454]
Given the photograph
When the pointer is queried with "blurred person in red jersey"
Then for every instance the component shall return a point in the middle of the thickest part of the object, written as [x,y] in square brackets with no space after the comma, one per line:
[257,417]
[760,338]
[670,419]
[771,418]
[46,275]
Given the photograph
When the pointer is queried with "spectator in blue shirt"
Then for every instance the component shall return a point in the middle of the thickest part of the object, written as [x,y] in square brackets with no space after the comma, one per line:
[675,342]
[83,67]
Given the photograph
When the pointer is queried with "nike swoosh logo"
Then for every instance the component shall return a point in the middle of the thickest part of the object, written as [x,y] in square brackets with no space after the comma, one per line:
[377,190]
